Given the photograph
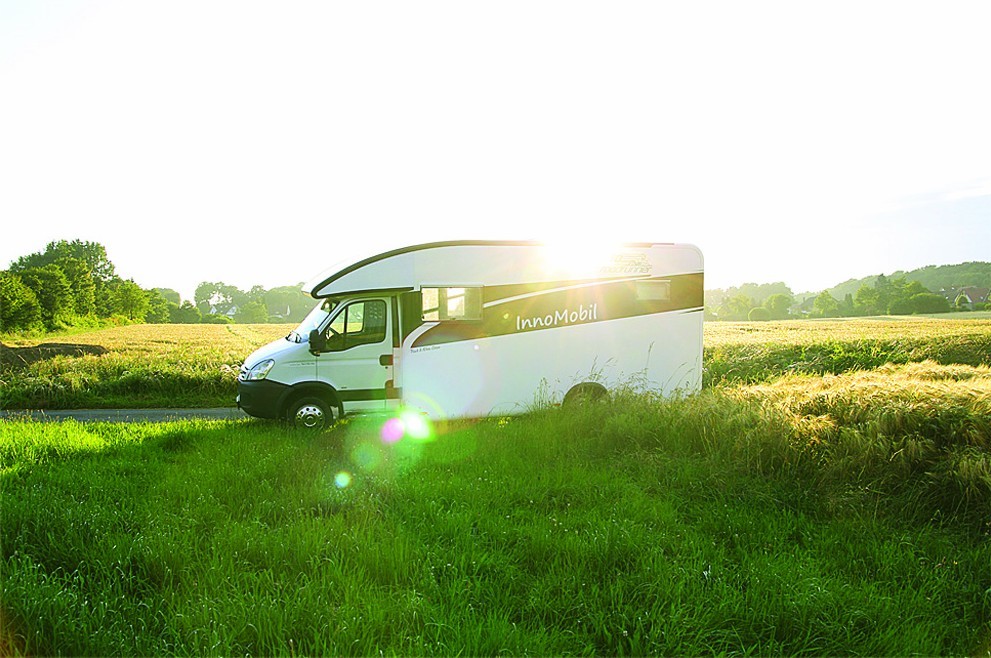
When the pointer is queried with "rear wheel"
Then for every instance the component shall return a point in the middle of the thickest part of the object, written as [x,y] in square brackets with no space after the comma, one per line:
[313,412]
[585,393]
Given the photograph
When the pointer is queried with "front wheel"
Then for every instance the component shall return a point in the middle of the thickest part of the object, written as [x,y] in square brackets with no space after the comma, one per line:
[313,413]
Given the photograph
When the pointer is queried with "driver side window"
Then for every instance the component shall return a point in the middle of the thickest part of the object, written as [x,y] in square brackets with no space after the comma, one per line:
[360,323]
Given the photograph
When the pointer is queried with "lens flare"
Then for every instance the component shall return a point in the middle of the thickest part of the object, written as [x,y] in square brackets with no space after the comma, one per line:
[365,456]
[342,480]
[421,403]
[579,257]
[393,430]
[417,426]
[410,424]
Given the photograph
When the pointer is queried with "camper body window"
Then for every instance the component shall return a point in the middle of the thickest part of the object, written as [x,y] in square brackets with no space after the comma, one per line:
[451,303]
[359,323]
[654,291]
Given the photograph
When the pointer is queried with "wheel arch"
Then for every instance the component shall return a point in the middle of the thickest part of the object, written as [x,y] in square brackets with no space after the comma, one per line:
[317,389]
[585,392]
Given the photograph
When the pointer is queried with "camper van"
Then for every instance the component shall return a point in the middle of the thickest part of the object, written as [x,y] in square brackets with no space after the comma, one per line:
[479,328]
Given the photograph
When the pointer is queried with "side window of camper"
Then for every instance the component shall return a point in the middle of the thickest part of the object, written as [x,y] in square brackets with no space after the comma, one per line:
[441,304]
[654,291]
[360,323]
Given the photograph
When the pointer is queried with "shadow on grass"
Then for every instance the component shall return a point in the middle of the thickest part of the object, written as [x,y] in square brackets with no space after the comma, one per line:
[22,357]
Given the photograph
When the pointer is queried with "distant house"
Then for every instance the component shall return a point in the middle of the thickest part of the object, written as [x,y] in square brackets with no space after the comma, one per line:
[231,312]
[973,294]
[282,316]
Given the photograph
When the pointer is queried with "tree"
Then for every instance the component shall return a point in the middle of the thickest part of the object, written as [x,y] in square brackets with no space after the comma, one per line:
[847,307]
[185,313]
[93,254]
[256,294]
[867,300]
[129,300]
[217,297]
[736,307]
[19,307]
[252,313]
[81,282]
[825,305]
[54,295]
[759,292]
[158,307]
[169,295]
[778,305]
[203,295]
[912,288]
[287,303]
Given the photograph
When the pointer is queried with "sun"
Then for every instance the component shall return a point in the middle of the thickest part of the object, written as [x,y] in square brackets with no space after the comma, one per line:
[578,258]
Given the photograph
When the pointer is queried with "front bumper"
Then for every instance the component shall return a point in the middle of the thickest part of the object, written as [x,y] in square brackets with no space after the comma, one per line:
[262,398]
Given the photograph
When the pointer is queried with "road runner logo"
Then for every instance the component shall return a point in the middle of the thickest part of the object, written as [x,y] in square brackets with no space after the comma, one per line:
[584,313]
[627,264]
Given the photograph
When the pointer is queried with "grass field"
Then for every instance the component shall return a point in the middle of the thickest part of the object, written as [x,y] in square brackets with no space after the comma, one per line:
[730,522]
[755,351]
[196,365]
[130,367]
[836,505]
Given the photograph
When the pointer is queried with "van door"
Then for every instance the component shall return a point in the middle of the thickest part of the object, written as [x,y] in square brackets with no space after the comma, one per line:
[357,358]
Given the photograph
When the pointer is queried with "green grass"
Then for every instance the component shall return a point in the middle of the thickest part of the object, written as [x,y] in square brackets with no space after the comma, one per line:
[751,352]
[129,367]
[733,521]
[196,365]
[827,493]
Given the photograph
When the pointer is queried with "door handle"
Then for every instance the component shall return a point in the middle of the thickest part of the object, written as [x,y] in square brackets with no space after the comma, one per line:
[385,360]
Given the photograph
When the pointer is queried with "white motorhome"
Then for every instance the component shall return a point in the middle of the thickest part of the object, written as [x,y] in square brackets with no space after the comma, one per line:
[477,328]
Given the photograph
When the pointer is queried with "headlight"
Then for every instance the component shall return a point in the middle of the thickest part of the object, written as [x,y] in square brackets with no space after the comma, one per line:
[260,371]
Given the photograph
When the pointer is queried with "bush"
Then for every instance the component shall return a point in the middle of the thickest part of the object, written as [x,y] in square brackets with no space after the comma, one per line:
[759,314]
[186,313]
[924,302]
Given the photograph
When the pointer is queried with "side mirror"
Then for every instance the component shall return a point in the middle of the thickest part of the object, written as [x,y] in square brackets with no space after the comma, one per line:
[318,343]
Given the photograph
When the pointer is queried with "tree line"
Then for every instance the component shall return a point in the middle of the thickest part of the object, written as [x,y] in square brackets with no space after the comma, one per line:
[74,284]
[775,301]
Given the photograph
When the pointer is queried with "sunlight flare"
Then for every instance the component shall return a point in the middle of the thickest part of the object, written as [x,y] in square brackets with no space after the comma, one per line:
[579,257]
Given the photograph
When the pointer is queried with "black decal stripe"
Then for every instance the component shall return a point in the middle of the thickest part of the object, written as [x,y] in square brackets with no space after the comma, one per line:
[492,295]
[364,394]
[612,300]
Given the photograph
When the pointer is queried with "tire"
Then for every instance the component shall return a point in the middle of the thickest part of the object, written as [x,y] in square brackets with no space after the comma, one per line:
[585,393]
[312,412]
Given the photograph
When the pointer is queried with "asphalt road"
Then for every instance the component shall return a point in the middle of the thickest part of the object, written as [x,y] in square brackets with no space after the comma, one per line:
[125,415]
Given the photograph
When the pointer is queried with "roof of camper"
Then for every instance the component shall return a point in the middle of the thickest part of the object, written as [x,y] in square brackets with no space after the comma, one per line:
[478,262]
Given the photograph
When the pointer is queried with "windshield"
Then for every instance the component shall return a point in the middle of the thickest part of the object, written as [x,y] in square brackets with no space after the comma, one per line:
[313,321]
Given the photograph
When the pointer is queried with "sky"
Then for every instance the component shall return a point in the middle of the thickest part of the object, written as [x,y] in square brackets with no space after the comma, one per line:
[257,143]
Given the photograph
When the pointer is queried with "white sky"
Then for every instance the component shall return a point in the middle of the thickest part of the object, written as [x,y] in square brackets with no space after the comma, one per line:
[258,143]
